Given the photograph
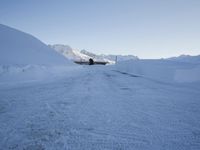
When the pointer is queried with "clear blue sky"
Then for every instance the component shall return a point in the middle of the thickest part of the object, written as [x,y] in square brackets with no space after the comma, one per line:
[146,28]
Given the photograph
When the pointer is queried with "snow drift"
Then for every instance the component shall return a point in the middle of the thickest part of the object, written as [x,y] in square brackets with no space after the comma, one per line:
[162,70]
[21,48]
[24,57]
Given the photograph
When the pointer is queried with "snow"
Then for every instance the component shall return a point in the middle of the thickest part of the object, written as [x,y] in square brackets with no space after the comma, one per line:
[48,103]
[186,58]
[17,47]
[17,74]
[69,53]
[85,55]
[24,58]
[120,57]
[97,57]
[162,70]
[101,107]
[188,75]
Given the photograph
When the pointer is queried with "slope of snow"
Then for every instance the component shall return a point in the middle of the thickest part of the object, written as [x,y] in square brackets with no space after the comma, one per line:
[69,53]
[17,47]
[97,57]
[77,55]
[24,58]
[90,54]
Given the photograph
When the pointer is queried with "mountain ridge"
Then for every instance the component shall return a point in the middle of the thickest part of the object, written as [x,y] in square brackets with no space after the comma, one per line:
[84,55]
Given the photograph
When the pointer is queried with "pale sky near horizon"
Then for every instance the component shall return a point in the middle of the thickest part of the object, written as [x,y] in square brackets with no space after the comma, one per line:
[146,28]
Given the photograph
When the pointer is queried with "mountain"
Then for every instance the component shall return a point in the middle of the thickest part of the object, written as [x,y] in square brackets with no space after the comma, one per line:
[77,55]
[84,55]
[120,57]
[97,57]
[110,57]
[69,53]
[186,58]
[17,47]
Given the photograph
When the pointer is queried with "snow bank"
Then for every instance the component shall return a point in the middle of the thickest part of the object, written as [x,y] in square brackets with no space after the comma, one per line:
[24,58]
[162,70]
[15,74]
[17,47]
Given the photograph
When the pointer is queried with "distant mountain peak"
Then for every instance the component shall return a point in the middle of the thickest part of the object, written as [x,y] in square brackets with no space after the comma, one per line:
[186,58]
[85,55]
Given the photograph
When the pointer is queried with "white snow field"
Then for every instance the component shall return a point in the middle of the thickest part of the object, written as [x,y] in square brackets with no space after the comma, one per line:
[101,108]
[48,103]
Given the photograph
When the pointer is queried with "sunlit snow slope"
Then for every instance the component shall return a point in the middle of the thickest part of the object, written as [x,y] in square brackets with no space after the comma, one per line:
[25,58]
[17,47]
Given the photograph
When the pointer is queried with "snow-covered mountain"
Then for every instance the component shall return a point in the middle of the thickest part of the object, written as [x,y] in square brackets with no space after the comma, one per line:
[110,57]
[84,55]
[17,47]
[69,53]
[120,57]
[186,58]
[97,57]
[77,55]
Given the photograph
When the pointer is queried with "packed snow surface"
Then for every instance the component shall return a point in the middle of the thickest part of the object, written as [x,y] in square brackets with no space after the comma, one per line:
[122,107]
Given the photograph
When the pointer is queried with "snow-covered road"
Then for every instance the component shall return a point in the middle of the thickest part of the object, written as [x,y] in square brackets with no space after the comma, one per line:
[100,108]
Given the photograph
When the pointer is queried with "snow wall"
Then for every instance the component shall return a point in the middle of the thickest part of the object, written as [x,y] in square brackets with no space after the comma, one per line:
[162,70]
